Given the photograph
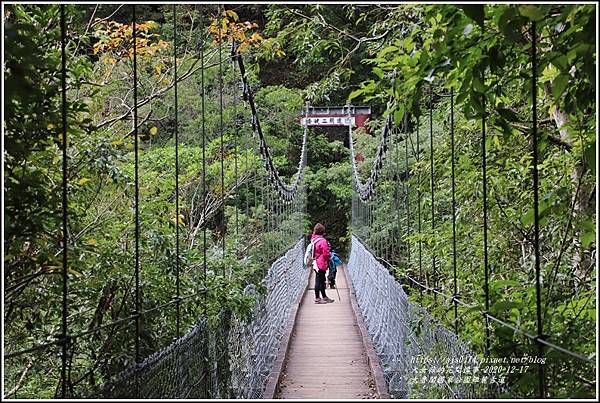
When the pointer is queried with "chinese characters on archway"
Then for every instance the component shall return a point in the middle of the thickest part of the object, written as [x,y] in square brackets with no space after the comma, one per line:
[328,121]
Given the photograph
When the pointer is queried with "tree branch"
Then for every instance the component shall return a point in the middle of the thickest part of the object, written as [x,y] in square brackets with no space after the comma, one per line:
[21,378]
[87,28]
[191,70]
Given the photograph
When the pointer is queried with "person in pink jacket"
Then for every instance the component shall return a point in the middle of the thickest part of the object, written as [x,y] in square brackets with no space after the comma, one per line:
[322,254]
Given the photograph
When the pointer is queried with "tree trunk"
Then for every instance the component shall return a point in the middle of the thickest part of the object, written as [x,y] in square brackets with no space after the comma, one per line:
[580,200]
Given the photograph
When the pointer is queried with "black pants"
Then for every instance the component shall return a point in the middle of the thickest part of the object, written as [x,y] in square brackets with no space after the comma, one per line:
[320,284]
[332,273]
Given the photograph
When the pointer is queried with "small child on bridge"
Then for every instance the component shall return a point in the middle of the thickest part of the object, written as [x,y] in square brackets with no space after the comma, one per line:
[334,262]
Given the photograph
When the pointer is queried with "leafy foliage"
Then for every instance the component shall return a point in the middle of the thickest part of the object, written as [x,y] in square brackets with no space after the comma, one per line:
[389,56]
[483,54]
[235,211]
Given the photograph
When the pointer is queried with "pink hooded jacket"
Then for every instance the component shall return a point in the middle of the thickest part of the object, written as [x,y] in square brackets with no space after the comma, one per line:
[322,252]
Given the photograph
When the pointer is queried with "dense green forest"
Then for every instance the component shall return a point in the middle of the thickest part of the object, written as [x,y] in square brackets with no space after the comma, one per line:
[401,60]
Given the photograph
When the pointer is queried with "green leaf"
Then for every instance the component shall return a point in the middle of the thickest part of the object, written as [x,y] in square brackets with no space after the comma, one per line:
[399,115]
[549,73]
[587,238]
[559,84]
[478,85]
[527,218]
[532,12]
[75,272]
[378,72]
[590,157]
[475,102]
[589,233]
[501,306]
[542,144]
[461,96]
[355,93]
[510,24]
[475,12]
[506,129]
[387,50]
[496,58]
[561,62]
[496,140]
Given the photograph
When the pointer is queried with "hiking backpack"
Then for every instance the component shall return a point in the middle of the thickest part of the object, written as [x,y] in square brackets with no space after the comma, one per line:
[309,254]
[335,260]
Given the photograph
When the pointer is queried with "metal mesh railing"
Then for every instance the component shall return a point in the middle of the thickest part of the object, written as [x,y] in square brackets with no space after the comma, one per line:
[255,345]
[223,358]
[407,340]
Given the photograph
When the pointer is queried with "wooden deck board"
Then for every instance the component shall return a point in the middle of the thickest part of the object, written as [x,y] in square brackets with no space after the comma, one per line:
[326,357]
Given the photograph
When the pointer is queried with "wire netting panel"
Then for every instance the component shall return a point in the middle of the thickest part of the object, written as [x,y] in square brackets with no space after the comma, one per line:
[225,358]
[180,370]
[254,346]
[405,337]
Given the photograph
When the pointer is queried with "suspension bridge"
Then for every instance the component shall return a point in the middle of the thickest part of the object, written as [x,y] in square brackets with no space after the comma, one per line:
[373,341]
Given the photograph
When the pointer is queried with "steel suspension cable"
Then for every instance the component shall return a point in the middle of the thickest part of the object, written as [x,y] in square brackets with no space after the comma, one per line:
[375,233]
[246,168]
[363,220]
[235,153]
[407,189]
[264,222]
[137,190]
[371,219]
[204,193]
[367,209]
[453,209]
[137,196]
[433,254]
[536,218]
[378,235]
[246,163]
[354,216]
[418,158]
[65,212]
[177,283]
[367,222]
[397,236]
[485,223]
[224,218]
[268,226]
[356,212]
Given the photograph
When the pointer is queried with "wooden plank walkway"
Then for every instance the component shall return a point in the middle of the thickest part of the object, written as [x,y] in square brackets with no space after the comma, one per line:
[327,357]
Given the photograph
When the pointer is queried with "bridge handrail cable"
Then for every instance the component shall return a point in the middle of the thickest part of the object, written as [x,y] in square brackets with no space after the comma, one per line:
[286,192]
[366,190]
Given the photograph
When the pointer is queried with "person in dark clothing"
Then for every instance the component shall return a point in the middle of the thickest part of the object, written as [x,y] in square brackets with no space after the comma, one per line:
[334,262]
[322,255]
